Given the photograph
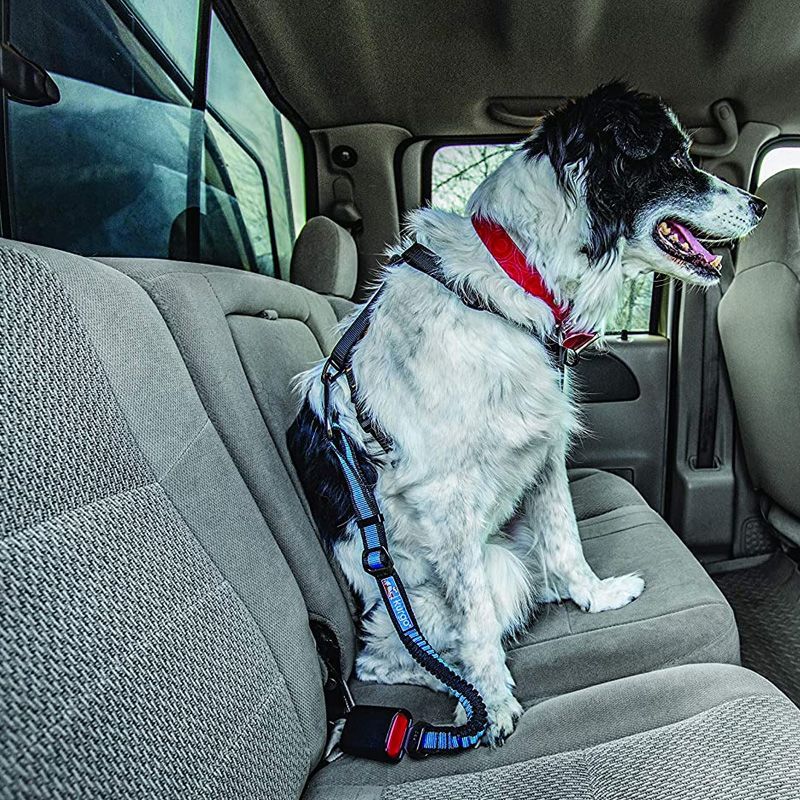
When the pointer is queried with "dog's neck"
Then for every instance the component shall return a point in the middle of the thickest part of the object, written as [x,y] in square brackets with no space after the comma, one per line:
[547,225]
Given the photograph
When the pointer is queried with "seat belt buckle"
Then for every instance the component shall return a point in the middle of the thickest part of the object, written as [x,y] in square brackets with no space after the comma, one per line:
[378,733]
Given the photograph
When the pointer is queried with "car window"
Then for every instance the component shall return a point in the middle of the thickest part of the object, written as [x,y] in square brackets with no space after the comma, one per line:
[777,159]
[456,171]
[130,162]
[236,97]
[173,25]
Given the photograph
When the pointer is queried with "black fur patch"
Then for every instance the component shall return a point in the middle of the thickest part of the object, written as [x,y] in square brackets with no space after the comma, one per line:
[631,154]
[321,475]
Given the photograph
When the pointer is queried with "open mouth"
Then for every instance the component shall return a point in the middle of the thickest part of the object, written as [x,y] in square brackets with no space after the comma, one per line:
[680,244]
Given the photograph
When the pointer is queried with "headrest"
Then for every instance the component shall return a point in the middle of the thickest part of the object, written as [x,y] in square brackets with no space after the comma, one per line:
[325,258]
[777,238]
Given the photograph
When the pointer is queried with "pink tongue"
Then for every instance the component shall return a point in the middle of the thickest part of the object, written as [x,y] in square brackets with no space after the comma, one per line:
[692,240]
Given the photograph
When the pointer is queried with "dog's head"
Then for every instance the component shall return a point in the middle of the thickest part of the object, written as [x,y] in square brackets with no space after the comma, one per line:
[624,155]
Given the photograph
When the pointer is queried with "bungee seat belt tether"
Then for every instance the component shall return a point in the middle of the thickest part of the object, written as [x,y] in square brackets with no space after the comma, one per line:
[376,732]
[386,733]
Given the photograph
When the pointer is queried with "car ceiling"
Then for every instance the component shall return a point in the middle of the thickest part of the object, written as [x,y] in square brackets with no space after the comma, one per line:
[430,66]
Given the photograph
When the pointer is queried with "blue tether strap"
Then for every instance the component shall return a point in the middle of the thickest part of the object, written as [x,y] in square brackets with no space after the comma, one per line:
[422,738]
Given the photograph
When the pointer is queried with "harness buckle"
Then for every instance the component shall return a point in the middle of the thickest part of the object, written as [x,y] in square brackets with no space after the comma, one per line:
[376,732]
[570,356]
[330,373]
[386,562]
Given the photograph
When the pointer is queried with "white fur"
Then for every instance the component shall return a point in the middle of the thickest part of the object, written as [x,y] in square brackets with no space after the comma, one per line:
[474,490]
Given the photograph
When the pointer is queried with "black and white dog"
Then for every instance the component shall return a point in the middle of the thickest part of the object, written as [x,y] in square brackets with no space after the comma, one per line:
[474,489]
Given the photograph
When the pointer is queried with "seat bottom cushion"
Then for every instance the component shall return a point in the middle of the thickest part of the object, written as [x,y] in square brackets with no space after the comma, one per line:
[680,618]
[693,731]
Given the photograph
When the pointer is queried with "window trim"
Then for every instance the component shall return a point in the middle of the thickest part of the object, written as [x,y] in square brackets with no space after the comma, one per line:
[5,175]
[788,140]
[208,9]
[236,29]
[437,143]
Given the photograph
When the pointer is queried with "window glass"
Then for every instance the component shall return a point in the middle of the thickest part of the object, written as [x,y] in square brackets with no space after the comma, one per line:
[103,171]
[776,160]
[456,172]
[236,96]
[235,230]
[122,164]
[174,25]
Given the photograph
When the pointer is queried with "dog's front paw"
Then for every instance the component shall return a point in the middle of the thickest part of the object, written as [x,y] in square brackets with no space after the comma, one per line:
[503,716]
[613,593]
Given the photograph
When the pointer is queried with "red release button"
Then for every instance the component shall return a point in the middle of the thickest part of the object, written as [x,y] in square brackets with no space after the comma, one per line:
[396,736]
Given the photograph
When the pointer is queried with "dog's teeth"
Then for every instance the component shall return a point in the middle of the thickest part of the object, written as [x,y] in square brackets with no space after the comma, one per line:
[663,228]
[685,246]
[716,262]
[673,237]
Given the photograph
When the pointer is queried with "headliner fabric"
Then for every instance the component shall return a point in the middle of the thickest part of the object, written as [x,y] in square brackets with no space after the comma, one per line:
[429,66]
[759,324]
[679,734]
[325,259]
[141,655]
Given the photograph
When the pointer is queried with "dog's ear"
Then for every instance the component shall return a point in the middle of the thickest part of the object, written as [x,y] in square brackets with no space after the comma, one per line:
[636,140]
[632,120]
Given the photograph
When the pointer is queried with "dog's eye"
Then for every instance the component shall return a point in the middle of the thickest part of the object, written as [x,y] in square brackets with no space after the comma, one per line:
[679,160]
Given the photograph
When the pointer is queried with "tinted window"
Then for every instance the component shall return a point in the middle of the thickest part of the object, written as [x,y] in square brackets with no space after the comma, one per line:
[458,169]
[130,162]
[104,170]
[173,24]
[236,96]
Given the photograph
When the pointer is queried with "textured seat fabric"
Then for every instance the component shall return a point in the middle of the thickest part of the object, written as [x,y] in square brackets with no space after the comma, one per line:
[680,734]
[325,260]
[243,338]
[218,320]
[680,618]
[759,323]
[153,639]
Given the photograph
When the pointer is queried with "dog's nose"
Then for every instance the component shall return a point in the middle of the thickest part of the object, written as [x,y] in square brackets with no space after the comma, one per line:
[758,207]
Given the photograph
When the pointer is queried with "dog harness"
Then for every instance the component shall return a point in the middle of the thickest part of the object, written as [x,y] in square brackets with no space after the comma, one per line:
[377,732]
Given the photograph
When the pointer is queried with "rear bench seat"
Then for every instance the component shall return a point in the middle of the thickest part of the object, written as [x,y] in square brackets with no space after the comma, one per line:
[155,641]
[244,337]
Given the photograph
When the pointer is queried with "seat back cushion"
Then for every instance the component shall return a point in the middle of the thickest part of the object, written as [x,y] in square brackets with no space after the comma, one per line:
[244,337]
[154,641]
[759,323]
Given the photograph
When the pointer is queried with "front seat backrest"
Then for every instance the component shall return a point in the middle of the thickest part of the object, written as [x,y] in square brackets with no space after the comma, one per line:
[759,322]
[325,260]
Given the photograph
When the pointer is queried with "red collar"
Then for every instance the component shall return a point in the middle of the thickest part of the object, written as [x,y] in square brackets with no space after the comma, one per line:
[513,262]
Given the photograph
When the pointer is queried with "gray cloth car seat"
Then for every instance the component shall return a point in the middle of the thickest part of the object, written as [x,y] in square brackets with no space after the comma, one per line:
[325,260]
[759,323]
